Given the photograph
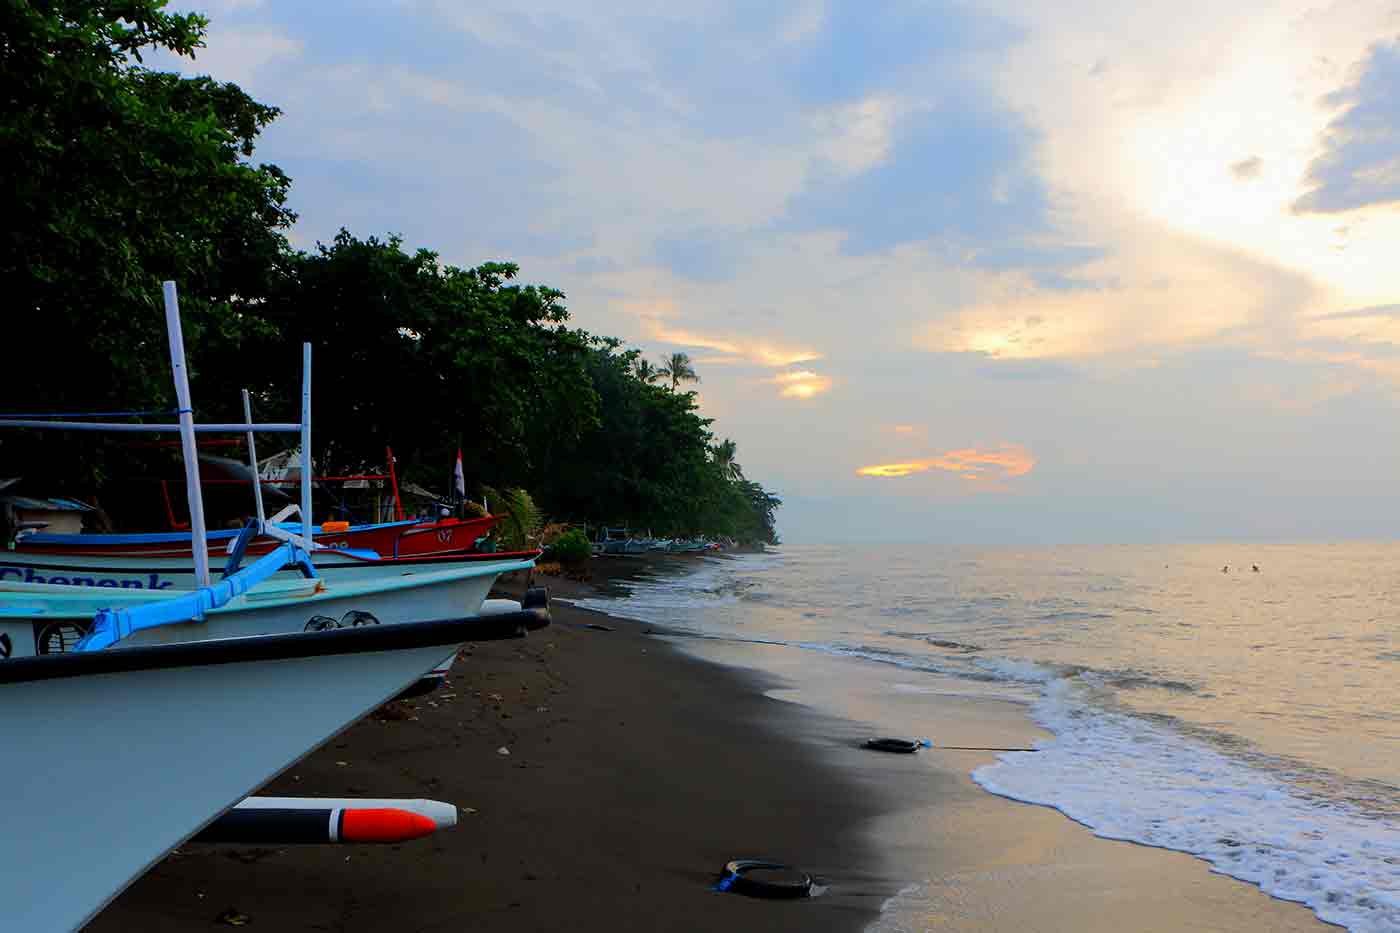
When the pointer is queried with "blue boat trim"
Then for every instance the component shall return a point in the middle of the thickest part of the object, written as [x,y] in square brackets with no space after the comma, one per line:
[112,625]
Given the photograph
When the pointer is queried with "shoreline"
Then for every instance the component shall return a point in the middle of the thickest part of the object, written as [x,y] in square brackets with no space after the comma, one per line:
[612,813]
[990,862]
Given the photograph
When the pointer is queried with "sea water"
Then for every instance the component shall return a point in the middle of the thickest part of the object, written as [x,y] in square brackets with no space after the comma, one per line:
[1248,717]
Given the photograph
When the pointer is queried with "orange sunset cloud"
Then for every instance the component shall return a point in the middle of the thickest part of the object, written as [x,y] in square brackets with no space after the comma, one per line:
[801,383]
[971,463]
[764,354]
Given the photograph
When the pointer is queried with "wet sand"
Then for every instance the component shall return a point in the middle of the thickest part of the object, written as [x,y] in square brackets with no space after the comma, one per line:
[637,768]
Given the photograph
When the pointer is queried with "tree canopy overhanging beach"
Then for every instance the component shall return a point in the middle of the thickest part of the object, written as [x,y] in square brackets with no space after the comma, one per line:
[123,176]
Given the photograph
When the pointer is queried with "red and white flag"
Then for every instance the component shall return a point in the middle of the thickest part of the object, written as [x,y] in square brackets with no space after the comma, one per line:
[459,479]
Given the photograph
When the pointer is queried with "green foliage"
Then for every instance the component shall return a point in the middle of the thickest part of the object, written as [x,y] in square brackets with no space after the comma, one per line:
[724,453]
[677,368]
[645,372]
[522,519]
[427,357]
[119,177]
[572,548]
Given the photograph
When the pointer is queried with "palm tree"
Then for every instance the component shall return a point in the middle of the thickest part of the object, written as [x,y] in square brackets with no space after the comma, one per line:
[724,459]
[677,368]
[646,372]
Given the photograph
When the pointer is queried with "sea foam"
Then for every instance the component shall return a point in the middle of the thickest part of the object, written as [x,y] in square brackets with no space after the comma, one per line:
[1127,778]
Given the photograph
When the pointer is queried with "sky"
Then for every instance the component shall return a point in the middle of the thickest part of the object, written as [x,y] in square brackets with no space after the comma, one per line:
[1007,273]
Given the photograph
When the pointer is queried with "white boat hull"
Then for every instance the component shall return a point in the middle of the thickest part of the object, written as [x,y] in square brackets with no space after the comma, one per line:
[119,766]
[35,617]
[174,573]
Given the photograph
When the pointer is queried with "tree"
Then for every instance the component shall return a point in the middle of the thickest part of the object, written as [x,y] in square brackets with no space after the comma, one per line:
[645,371]
[118,177]
[724,453]
[677,367]
[427,357]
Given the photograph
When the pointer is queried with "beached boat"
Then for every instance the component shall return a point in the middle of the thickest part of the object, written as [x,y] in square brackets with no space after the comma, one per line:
[391,539]
[620,541]
[127,752]
[50,618]
[77,568]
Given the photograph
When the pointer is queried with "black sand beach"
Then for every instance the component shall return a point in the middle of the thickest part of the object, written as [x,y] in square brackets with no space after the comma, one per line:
[634,774]
[635,770]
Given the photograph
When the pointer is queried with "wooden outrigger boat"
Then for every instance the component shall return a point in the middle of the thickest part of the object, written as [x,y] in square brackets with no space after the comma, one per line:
[130,751]
[448,536]
[169,707]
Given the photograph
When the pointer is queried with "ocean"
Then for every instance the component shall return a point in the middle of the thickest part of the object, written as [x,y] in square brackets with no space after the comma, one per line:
[1248,717]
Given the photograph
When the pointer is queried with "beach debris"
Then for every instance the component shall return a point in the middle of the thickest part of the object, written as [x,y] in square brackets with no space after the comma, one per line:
[502,751]
[598,627]
[764,878]
[232,918]
[902,746]
[342,764]
[394,711]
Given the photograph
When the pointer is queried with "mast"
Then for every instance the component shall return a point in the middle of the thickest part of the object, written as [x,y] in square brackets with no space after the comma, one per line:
[253,462]
[199,537]
[394,483]
[306,447]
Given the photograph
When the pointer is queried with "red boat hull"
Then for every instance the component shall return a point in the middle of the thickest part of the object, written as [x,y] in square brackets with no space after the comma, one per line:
[424,539]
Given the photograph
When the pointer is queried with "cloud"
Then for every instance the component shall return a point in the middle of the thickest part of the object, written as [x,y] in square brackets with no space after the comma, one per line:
[1158,289]
[237,54]
[1247,169]
[857,137]
[981,466]
[738,348]
[702,255]
[802,383]
[1360,162]
[952,172]
[1378,311]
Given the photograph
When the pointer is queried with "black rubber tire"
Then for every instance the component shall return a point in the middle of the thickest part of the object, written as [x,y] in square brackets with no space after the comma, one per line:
[537,600]
[536,597]
[902,746]
[798,885]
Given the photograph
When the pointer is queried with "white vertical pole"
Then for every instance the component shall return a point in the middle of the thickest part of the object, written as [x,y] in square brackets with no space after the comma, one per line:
[199,539]
[253,461]
[306,446]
